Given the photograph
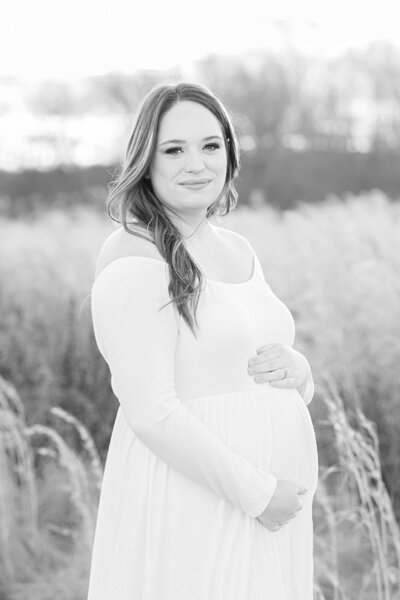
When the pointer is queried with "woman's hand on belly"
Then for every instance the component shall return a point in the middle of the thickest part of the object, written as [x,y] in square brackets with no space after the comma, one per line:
[280,365]
[283,506]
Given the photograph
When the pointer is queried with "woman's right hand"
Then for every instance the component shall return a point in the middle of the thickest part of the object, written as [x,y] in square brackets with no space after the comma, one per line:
[283,506]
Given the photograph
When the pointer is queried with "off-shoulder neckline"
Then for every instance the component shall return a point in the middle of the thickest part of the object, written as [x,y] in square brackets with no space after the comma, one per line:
[163,262]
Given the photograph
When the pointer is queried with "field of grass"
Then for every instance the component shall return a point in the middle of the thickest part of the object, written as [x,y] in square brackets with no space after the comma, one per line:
[337,267]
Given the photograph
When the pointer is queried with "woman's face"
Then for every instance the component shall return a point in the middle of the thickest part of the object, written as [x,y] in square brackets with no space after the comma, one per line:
[188,169]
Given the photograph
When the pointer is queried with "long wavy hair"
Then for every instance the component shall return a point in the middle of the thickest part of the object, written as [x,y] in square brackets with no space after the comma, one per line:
[131,193]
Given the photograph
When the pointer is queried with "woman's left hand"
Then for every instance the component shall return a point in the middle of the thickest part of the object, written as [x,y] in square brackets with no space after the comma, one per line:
[281,366]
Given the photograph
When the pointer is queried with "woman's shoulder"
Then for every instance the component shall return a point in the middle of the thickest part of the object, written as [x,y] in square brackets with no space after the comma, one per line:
[233,237]
[120,244]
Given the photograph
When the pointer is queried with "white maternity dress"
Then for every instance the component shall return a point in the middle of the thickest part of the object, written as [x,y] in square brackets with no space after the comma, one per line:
[197,445]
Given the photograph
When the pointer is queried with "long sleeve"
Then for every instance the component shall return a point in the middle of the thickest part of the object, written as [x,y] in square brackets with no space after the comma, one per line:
[138,342]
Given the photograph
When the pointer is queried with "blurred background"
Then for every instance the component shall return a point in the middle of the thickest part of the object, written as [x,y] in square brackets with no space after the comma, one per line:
[315,93]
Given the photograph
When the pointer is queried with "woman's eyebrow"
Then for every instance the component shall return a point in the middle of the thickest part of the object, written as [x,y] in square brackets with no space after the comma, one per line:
[210,137]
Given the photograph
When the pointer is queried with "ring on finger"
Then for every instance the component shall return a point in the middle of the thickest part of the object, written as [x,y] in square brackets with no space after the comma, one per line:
[285,373]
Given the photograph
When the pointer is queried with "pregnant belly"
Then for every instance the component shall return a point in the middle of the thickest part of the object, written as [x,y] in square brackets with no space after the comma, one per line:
[271,428]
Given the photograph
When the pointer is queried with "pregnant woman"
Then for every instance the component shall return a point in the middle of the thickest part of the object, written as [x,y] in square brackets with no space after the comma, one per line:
[212,464]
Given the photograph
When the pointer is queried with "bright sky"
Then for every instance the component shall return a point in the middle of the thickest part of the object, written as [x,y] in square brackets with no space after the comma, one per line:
[51,38]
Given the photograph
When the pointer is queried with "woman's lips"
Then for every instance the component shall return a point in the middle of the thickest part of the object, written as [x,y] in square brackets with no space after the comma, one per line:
[198,185]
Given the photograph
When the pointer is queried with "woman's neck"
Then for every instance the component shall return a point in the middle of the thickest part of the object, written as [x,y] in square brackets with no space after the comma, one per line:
[196,232]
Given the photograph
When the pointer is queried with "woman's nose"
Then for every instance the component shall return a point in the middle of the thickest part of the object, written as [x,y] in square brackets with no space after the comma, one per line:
[194,162]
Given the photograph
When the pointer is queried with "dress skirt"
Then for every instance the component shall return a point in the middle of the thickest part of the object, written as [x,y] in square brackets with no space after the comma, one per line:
[161,536]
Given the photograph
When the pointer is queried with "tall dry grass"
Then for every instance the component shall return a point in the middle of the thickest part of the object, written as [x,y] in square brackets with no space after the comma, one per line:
[335,265]
[357,536]
[48,503]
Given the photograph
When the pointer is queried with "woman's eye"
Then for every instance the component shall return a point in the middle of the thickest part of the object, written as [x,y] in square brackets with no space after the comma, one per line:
[172,150]
[176,149]
[213,146]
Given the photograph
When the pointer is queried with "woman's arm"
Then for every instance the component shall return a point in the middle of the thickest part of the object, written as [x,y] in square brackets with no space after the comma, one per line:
[138,342]
[307,389]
